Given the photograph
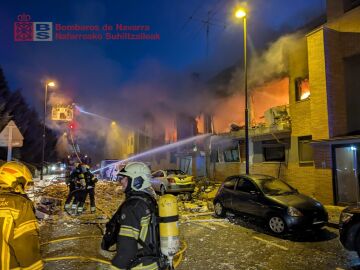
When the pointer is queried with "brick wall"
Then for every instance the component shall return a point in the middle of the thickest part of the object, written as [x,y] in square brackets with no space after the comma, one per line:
[317,78]
[311,181]
[334,9]
[300,113]
[336,96]
[322,156]
[349,22]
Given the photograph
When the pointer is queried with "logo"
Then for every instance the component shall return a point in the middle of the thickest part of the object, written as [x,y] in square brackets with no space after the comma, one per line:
[25,30]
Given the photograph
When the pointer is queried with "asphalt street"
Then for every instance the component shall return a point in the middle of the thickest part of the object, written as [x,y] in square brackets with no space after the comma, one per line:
[232,243]
[244,243]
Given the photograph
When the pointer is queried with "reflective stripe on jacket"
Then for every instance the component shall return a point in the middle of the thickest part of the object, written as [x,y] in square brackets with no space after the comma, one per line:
[19,233]
[134,219]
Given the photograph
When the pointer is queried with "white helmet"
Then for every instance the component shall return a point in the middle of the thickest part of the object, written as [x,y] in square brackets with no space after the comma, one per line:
[139,174]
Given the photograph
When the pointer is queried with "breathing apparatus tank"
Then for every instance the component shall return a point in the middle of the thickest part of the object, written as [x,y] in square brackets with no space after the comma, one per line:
[168,226]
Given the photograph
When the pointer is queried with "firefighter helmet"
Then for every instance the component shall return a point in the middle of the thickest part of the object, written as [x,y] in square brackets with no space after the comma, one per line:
[14,173]
[139,175]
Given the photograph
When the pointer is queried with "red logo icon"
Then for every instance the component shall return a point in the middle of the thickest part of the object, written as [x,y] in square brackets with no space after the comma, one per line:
[23,28]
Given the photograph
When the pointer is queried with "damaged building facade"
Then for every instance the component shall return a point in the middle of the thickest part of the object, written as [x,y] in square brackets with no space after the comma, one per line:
[313,141]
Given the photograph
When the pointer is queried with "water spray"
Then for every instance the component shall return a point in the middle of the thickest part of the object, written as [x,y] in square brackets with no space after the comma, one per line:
[92,114]
[156,150]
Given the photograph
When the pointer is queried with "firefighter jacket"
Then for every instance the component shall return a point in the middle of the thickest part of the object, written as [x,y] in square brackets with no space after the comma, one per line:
[20,247]
[134,218]
[78,178]
[90,179]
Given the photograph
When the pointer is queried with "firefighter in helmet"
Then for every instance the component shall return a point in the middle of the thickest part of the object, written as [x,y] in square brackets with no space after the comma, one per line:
[78,177]
[130,227]
[90,181]
[20,247]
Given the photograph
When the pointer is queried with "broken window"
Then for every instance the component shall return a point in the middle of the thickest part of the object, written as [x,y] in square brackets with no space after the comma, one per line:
[245,185]
[273,151]
[232,155]
[230,184]
[302,89]
[306,154]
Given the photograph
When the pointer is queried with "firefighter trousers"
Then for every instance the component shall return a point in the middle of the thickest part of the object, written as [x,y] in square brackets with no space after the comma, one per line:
[71,195]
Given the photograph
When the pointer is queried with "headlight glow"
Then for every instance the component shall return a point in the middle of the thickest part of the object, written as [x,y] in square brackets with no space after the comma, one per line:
[293,212]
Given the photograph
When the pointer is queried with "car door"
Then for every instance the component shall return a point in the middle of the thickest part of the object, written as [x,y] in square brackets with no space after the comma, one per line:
[228,192]
[246,197]
[156,180]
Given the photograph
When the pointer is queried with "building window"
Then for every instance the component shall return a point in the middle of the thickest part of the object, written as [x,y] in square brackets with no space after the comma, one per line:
[231,155]
[350,4]
[273,151]
[302,90]
[306,154]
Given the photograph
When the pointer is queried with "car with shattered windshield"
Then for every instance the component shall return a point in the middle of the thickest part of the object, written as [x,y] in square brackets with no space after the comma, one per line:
[282,207]
[172,181]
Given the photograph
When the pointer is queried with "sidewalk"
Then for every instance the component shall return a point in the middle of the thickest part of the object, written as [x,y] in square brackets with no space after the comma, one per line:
[334,215]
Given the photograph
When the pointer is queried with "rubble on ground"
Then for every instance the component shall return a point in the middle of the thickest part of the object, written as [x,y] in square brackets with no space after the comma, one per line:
[201,199]
[50,200]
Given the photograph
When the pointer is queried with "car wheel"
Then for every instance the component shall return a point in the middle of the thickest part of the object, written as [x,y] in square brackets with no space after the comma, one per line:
[162,190]
[277,225]
[219,209]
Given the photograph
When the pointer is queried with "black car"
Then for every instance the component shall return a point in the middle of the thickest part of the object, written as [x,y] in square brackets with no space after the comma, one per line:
[263,196]
[349,228]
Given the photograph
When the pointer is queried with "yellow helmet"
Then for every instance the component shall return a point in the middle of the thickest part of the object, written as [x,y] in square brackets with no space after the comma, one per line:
[14,173]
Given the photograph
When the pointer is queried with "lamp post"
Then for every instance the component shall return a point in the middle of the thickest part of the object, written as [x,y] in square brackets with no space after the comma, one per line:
[240,13]
[47,84]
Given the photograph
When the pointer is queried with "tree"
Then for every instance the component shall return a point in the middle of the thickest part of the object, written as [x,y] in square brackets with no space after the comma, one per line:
[14,107]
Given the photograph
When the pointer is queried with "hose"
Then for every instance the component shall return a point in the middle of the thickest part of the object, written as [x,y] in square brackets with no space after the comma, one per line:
[70,238]
[179,254]
[82,258]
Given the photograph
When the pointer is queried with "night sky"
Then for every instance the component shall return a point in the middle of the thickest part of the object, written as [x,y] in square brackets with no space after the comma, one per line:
[126,79]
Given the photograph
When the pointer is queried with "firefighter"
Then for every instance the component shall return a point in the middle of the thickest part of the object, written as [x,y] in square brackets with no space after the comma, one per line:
[20,248]
[130,227]
[78,177]
[90,180]
[70,182]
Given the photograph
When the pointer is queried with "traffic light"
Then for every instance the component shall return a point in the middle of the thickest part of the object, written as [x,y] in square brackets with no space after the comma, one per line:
[72,126]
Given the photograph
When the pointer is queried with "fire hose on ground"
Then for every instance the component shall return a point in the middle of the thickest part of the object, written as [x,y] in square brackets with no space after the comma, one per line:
[177,260]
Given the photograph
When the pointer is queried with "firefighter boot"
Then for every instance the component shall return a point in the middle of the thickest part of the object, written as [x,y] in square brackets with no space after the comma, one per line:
[67,207]
[73,209]
[79,211]
[93,209]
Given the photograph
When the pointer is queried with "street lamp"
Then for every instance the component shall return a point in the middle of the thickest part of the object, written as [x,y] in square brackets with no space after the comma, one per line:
[47,84]
[241,14]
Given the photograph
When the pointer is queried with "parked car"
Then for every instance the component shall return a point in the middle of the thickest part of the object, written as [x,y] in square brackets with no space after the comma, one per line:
[269,198]
[349,228]
[172,181]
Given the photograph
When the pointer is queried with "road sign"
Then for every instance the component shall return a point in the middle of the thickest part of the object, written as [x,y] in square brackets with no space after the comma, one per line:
[11,137]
